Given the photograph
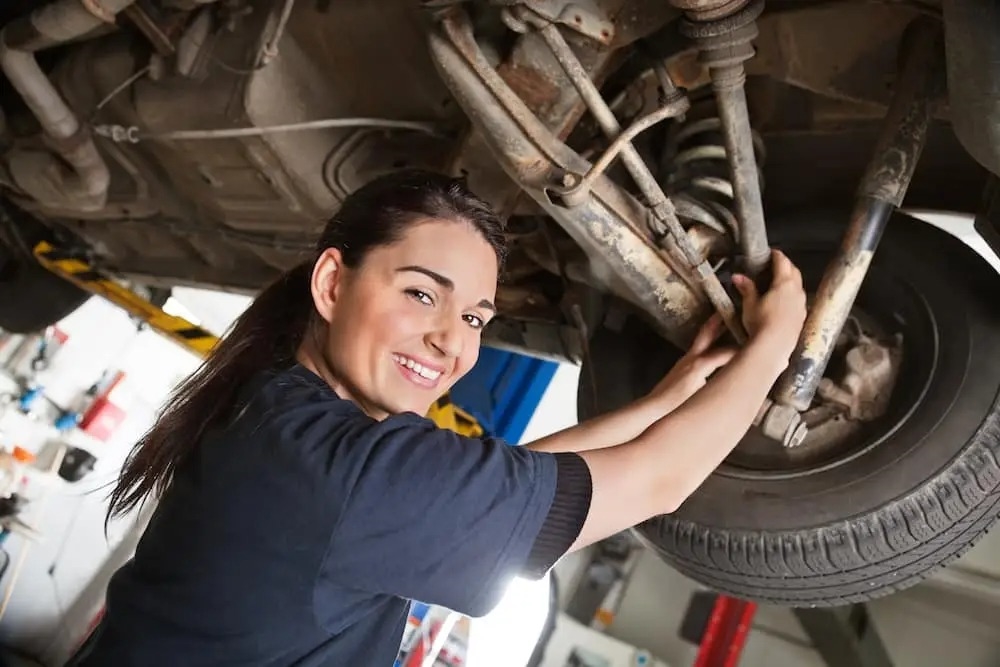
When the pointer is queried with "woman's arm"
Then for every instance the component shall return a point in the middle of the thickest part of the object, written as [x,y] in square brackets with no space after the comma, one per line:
[687,376]
[656,471]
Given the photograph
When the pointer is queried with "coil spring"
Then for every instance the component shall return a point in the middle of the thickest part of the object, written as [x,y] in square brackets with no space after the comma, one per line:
[697,174]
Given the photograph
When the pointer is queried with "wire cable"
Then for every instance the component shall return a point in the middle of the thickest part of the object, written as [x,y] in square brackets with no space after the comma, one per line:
[132,134]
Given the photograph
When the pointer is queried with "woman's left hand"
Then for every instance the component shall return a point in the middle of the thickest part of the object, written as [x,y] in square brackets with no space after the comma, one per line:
[692,371]
[619,426]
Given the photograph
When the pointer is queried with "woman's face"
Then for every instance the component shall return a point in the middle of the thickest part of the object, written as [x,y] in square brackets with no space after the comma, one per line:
[405,325]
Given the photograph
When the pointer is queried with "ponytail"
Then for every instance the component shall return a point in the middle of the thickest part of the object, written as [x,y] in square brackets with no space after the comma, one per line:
[266,335]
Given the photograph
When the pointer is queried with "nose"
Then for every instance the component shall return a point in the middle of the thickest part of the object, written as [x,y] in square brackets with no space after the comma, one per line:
[446,339]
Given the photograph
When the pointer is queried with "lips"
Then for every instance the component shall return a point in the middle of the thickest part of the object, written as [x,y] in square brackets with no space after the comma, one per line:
[420,373]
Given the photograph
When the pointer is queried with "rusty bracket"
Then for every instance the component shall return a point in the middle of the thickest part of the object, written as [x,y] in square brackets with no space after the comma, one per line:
[582,16]
[883,188]
[576,188]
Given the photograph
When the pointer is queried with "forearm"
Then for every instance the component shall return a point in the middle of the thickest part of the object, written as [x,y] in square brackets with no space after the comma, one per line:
[656,471]
[607,430]
[692,441]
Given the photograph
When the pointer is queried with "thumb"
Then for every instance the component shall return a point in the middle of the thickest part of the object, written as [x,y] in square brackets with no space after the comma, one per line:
[747,289]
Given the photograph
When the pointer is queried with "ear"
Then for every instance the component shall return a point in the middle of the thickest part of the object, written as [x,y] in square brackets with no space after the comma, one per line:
[326,282]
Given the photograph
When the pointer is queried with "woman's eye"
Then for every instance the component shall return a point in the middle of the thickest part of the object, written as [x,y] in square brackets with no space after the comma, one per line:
[421,296]
[474,321]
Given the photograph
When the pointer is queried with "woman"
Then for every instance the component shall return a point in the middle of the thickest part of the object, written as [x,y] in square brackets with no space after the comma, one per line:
[305,499]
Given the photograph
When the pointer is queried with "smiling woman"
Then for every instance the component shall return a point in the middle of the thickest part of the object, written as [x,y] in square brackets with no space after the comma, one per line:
[303,497]
[416,315]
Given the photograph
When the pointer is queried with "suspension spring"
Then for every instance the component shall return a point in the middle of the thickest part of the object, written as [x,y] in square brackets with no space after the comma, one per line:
[697,175]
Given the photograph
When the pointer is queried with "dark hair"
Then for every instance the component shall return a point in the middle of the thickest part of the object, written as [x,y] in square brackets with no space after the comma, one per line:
[270,331]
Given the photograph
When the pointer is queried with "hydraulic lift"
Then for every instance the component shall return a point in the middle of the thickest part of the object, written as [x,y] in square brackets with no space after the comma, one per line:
[843,636]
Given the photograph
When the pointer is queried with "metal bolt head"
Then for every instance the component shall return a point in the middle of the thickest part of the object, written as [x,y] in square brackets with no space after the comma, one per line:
[569,180]
[796,436]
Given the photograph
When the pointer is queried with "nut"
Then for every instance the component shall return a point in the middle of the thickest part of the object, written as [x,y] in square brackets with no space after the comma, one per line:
[784,424]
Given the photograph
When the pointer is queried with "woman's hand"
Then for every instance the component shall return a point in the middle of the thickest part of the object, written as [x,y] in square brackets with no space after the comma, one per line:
[778,315]
[692,371]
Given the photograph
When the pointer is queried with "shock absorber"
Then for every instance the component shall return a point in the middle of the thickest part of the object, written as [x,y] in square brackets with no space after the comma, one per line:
[724,31]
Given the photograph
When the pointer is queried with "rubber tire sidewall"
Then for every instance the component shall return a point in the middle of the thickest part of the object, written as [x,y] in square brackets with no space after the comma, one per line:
[829,540]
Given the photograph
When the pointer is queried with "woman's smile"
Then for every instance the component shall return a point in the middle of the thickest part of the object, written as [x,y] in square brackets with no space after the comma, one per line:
[418,371]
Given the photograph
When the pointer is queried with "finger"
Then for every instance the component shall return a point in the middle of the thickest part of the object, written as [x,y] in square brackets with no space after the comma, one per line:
[783,269]
[708,334]
[715,359]
[747,290]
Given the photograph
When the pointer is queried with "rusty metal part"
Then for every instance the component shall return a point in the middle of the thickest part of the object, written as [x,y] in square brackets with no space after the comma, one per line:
[84,186]
[664,217]
[144,22]
[269,51]
[671,109]
[883,188]
[709,10]
[782,423]
[871,368]
[606,226]
[724,44]
[838,50]
[582,16]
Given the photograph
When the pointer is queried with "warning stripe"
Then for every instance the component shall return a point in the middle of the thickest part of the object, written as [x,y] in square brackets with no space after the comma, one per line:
[82,274]
[443,412]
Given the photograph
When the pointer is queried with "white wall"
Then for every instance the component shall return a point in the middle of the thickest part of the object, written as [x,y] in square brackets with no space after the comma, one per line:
[73,545]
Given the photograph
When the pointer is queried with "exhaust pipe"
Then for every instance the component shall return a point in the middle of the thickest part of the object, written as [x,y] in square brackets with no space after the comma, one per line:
[84,184]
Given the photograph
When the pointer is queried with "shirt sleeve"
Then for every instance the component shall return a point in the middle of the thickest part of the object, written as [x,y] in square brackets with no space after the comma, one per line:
[433,516]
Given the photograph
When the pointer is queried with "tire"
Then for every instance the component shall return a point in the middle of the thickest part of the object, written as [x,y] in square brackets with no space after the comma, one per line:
[32,298]
[919,487]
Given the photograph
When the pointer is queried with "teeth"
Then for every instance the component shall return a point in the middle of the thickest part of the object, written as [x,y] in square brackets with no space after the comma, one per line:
[417,368]
[429,374]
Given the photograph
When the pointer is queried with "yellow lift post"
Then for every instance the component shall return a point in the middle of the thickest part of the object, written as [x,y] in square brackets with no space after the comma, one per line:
[200,341]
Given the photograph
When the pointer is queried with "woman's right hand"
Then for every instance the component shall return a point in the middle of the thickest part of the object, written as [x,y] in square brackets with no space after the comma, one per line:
[779,314]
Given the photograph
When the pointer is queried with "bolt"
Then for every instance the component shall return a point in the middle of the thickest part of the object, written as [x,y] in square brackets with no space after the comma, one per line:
[570,180]
[796,436]
[784,424]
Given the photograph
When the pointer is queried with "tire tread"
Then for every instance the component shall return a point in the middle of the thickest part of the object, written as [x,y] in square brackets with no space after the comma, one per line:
[900,545]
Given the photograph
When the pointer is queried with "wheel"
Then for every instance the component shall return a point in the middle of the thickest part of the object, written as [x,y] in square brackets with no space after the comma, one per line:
[31,298]
[878,507]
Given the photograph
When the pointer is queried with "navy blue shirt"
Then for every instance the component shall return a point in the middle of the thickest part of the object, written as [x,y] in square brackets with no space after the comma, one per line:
[299,530]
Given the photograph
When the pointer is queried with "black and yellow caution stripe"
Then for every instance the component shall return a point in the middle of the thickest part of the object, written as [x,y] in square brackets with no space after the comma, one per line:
[79,272]
[444,413]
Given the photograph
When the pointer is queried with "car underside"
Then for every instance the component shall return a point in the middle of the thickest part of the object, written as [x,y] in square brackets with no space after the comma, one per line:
[641,151]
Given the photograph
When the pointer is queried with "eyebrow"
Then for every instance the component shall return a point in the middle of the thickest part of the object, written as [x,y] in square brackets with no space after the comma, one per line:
[443,281]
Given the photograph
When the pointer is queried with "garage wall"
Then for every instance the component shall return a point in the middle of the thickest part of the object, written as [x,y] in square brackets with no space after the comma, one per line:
[74,545]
